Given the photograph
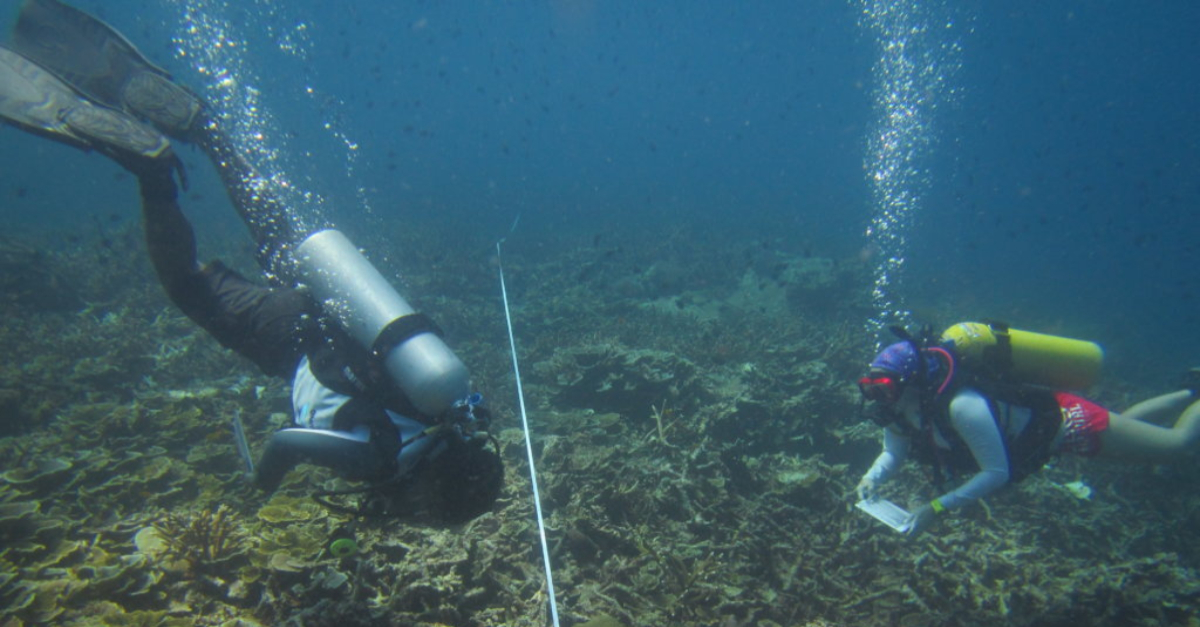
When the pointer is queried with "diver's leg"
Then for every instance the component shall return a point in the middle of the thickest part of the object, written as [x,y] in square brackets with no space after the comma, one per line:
[259,323]
[1135,440]
[261,209]
[100,62]
[170,241]
[1189,421]
[1160,408]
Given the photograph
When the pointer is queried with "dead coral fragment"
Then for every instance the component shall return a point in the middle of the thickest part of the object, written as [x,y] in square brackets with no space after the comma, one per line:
[202,539]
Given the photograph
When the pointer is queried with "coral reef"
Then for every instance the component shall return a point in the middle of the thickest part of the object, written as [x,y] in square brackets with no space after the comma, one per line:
[697,438]
[619,379]
[26,280]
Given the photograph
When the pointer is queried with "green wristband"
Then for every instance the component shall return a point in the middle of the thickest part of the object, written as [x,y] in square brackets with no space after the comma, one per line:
[937,506]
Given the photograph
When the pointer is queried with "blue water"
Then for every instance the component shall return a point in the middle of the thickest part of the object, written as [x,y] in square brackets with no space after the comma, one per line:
[1063,172]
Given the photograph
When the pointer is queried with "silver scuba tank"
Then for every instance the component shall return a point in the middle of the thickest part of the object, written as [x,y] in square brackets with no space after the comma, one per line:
[355,294]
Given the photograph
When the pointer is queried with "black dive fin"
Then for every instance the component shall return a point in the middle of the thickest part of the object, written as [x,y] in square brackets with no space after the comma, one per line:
[37,101]
[102,64]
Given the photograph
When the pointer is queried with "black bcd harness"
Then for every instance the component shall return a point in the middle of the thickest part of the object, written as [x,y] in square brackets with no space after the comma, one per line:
[1027,451]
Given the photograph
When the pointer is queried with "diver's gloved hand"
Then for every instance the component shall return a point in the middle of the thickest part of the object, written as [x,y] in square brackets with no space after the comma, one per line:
[868,489]
[920,520]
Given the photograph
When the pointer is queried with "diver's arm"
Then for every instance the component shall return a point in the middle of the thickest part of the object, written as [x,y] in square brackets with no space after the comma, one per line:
[895,450]
[972,419]
[349,453]
[258,323]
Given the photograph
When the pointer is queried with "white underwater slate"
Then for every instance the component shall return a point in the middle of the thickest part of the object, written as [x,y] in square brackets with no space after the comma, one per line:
[886,512]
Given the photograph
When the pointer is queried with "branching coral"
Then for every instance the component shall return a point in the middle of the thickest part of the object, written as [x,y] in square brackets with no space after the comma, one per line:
[203,539]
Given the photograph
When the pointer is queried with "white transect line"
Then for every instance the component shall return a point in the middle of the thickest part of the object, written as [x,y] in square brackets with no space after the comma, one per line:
[537,499]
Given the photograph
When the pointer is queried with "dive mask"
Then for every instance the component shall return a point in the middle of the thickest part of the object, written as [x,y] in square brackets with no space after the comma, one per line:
[879,387]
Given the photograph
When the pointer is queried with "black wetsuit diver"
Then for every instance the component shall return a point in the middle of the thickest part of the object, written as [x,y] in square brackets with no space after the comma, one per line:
[74,79]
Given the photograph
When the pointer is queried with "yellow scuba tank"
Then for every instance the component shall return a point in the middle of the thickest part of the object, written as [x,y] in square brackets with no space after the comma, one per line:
[994,350]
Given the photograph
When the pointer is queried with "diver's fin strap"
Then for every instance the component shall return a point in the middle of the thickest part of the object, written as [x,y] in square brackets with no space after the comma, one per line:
[401,330]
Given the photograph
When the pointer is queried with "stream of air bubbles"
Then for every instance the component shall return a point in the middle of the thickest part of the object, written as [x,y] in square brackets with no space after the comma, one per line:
[919,55]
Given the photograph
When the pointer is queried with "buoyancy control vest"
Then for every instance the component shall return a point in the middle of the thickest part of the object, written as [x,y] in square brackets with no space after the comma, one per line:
[341,366]
[1010,368]
[1027,450]
[345,367]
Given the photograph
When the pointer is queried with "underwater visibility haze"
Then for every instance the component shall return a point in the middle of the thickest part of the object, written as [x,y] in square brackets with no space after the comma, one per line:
[711,212]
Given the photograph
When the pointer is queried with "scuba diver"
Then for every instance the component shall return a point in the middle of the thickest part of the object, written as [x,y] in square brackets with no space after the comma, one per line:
[985,403]
[377,395]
